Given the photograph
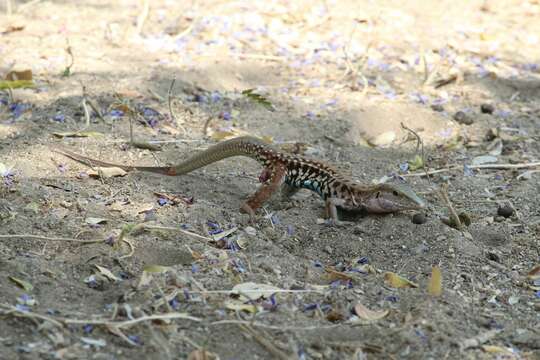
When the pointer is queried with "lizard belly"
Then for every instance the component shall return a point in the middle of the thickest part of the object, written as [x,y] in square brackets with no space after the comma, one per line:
[312,185]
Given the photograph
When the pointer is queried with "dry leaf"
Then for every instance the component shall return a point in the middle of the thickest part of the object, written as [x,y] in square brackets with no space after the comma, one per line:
[334,275]
[435,282]
[253,291]
[19,75]
[236,305]
[493,349]
[223,135]
[224,234]
[106,172]
[23,284]
[95,221]
[534,273]
[107,273]
[396,281]
[371,315]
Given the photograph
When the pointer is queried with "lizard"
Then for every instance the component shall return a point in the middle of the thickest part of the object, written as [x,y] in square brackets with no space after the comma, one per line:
[288,173]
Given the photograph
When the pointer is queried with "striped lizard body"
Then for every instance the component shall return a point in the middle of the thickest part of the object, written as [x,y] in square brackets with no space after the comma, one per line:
[289,172]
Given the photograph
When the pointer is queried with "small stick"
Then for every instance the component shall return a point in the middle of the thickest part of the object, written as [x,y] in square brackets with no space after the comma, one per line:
[276,327]
[169,103]
[28,314]
[264,342]
[260,57]
[39,237]
[479,339]
[141,19]
[22,7]
[200,237]
[418,144]
[454,216]
[480,166]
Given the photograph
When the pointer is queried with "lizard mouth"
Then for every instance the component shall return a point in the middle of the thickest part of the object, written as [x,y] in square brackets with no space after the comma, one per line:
[382,205]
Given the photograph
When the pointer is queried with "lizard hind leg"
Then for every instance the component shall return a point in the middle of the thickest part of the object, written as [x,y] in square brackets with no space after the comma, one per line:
[276,176]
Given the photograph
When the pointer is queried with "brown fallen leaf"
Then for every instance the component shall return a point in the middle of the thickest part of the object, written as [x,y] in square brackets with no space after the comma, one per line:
[19,75]
[396,281]
[534,273]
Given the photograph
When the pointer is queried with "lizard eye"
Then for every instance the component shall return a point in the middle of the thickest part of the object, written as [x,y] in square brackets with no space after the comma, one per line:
[395,193]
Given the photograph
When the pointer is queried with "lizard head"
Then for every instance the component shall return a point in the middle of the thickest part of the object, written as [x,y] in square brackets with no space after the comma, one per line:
[388,198]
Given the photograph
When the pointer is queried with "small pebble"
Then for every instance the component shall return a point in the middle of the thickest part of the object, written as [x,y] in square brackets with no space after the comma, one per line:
[487,108]
[505,211]
[493,256]
[463,118]
[437,107]
[419,218]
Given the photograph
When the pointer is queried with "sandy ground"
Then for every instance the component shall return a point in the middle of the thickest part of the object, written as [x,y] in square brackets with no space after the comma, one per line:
[112,269]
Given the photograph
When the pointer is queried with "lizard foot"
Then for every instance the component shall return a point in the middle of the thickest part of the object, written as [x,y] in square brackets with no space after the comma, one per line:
[245,208]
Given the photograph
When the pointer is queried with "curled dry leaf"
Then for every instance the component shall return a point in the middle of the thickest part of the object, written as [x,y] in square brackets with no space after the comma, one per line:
[370,315]
[534,273]
[107,273]
[106,172]
[396,281]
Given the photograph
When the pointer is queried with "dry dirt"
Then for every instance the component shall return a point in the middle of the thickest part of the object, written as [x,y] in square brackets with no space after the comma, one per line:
[341,76]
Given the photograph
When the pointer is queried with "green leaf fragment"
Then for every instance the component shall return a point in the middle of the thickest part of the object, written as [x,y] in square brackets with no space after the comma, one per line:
[16,84]
[25,285]
[258,98]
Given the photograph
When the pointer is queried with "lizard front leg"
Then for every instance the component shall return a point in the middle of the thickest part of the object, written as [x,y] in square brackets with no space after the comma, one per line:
[331,212]
[276,176]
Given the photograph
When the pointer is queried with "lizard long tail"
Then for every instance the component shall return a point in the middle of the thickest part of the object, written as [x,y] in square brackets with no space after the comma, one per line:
[241,146]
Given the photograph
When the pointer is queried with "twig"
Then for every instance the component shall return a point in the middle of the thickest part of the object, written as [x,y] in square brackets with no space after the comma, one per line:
[200,237]
[126,323]
[169,103]
[260,57]
[96,110]
[39,237]
[141,19]
[28,314]
[275,327]
[480,166]
[453,215]
[22,7]
[186,31]
[479,339]
[418,144]
[265,342]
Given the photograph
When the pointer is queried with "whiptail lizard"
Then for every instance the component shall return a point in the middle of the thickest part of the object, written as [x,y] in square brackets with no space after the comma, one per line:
[291,173]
